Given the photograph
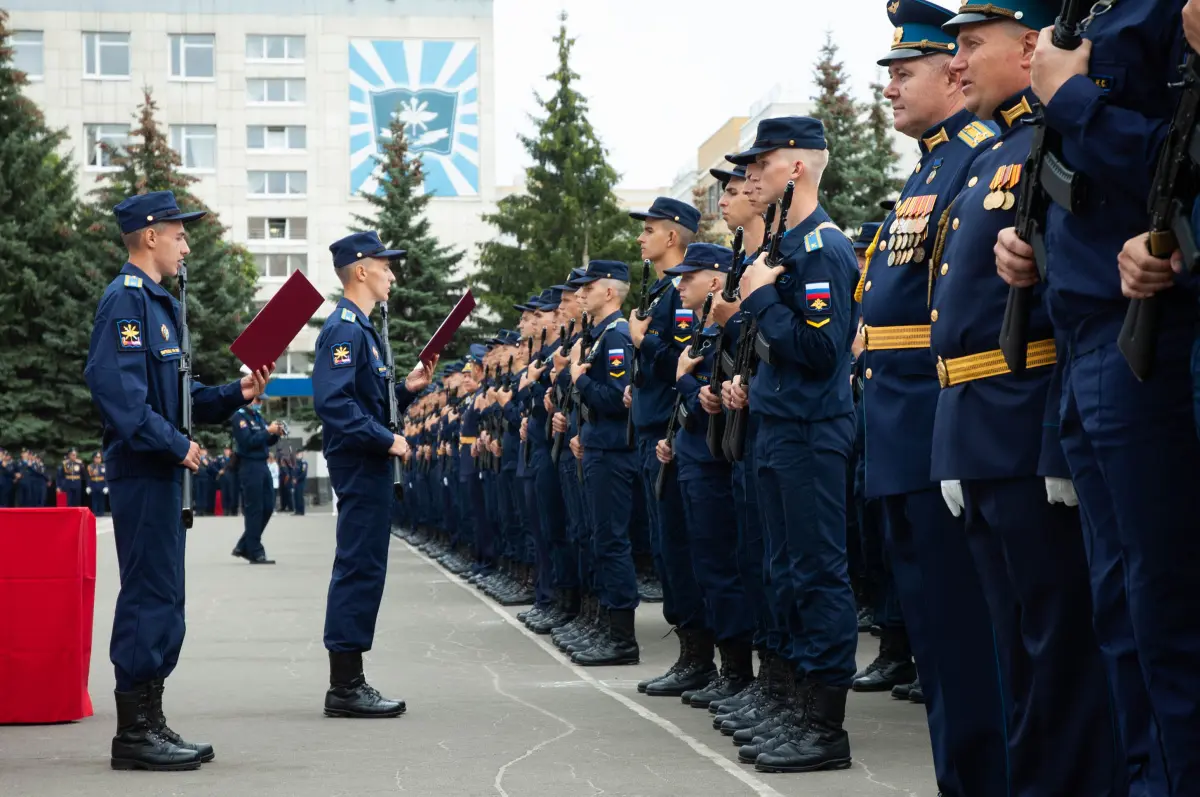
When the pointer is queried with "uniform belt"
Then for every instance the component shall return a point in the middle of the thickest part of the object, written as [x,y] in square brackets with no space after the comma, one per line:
[958,370]
[73,478]
[887,338]
[463,440]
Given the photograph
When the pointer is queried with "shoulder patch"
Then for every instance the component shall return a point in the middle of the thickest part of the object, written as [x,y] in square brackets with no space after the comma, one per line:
[348,316]
[812,241]
[975,134]
[340,352]
[242,424]
[132,281]
[816,297]
[129,334]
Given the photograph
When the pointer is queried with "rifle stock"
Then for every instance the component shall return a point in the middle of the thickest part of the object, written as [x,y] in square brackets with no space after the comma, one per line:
[185,394]
[393,407]
[672,424]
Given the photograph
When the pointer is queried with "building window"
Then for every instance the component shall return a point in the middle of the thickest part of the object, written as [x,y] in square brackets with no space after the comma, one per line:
[103,141]
[196,145]
[276,138]
[295,363]
[28,52]
[106,55]
[277,183]
[712,199]
[268,229]
[192,57]
[275,90]
[275,48]
[279,266]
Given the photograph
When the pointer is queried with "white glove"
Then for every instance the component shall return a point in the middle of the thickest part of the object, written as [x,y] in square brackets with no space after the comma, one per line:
[953,495]
[1061,491]
[89,490]
[106,491]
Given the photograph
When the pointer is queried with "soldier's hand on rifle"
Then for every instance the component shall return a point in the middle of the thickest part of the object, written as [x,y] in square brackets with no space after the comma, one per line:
[686,364]
[1014,260]
[253,384]
[419,377]
[275,428]
[637,329]
[576,349]
[577,447]
[627,398]
[399,446]
[709,401]
[524,428]
[192,460]
[533,374]
[733,395]
[722,310]
[494,447]
[664,452]
[860,342]
[579,369]
[503,397]
[560,362]
[1143,274]
[1191,23]
[559,424]
[758,275]
[1052,67]
[548,401]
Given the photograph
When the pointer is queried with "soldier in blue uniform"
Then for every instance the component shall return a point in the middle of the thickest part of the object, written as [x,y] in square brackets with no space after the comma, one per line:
[7,472]
[350,397]
[203,484]
[22,478]
[252,440]
[610,467]
[301,475]
[214,483]
[70,478]
[806,317]
[227,478]
[999,461]
[1131,460]
[133,373]
[97,486]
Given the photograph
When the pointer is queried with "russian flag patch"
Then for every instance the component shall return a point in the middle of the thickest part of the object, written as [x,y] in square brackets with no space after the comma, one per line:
[816,296]
[616,362]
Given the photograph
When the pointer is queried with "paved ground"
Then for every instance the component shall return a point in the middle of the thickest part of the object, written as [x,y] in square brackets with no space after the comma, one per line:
[492,709]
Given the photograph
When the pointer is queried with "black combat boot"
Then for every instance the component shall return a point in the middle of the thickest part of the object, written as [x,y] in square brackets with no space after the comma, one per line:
[565,609]
[902,691]
[139,744]
[752,720]
[695,673]
[159,720]
[780,728]
[891,668]
[821,743]
[751,692]
[619,645]
[685,640]
[597,634]
[585,625]
[349,693]
[737,673]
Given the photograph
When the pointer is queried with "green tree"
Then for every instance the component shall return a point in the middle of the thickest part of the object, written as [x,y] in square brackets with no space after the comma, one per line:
[221,275]
[880,159]
[843,188]
[712,228]
[50,286]
[568,213]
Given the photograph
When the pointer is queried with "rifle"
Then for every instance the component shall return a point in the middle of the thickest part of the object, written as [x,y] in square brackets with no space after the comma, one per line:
[589,342]
[567,405]
[635,371]
[393,408]
[716,423]
[185,392]
[664,468]
[1033,200]
[501,424]
[565,333]
[1170,221]
[746,358]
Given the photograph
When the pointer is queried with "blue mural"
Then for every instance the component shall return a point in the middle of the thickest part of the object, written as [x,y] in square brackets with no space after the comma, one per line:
[433,88]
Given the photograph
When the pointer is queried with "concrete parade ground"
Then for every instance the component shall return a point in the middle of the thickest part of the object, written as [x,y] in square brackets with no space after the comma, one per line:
[492,709]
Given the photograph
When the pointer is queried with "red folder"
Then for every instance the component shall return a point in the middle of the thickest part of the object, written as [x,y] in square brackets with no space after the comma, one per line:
[446,331]
[277,324]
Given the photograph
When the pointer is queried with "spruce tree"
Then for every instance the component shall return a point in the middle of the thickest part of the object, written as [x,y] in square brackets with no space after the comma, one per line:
[568,213]
[49,288]
[843,188]
[712,229]
[880,161]
[221,275]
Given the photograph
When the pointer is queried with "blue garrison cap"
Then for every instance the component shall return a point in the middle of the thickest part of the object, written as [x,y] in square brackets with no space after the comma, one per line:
[603,270]
[569,286]
[791,132]
[355,246]
[866,235]
[725,175]
[529,306]
[504,337]
[919,31]
[550,299]
[1034,14]
[453,368]
[141,210]
[704,257]
[664,207]
[475,353]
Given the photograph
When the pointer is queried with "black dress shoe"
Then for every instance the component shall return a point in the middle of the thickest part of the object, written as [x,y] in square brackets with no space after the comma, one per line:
[139,744]
[261,559]
[916,694]
[239,553]
[159,720]
[351,696]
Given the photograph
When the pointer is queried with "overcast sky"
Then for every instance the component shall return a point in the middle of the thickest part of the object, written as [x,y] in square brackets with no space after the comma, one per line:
[662,75]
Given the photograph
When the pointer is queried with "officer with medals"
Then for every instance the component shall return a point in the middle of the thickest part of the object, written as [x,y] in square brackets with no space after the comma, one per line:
[97,487]
[806,315]
[133,373]
[350,381]
[999,461]
[252,440]
[931,566]
[70,478]
[610,468]
[1108,105]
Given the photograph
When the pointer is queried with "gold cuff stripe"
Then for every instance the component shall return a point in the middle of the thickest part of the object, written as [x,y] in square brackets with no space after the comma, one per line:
[891,338]
[987,364]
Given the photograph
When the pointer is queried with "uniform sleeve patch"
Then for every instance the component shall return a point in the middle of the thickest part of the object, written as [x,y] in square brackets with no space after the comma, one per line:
[129,335]
[132,281]
[348,316]
[241,424]
[616,362]
[812,241]
[816,297]
[340,352]
[817,324]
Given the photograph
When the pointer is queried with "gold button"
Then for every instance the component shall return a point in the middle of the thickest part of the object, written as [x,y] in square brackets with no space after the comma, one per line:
[972,182]
[933,316]
[359,254]
[954,224]
[998,145]
[945,269]
[869,373]
[867,287]
[883,246]
[149,218]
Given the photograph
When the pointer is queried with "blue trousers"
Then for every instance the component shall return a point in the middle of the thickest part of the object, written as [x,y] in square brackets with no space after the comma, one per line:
[508,500]
[610,477]
[298,498]
[543,580]
[229,493]
[683,603]
[712,525]
[552,514]
[364,496]
[802,490]
[258,504]
[947,621]
[148,625]
[1031,563]
[74,491]
[579,523]
[485,530]
[751,555]
[97,497]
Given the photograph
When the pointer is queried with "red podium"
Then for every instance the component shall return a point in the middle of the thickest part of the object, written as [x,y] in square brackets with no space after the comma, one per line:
[47,598]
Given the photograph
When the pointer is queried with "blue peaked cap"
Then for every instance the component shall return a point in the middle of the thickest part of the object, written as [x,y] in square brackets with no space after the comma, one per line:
[603,270]
[664,207]
[550,300]
[1034,14]
[704,257]
[529,306]
[475,353]
[141,210]
[919,31]
[356,246]
[725,175]
[783,132]
[567,287]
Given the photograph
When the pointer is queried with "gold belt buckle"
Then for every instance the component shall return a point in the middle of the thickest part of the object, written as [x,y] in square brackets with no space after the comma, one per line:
[943,373]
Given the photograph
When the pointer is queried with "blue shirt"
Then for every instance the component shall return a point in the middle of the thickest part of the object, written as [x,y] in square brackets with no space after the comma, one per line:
[669,331]
[250,436]
[133,373]
[602,388]
[691,437]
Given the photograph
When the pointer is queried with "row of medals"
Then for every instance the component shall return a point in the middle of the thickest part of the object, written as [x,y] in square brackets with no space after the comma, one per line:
[1001,196]
[910,230]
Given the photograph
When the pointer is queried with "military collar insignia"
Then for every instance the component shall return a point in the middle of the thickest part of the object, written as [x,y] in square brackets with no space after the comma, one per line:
[1012,115]
[938,138]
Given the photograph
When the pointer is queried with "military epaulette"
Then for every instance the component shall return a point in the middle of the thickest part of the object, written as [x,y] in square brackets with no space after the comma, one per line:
[812,241]
[348,316]
[132,281]
[975,134]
